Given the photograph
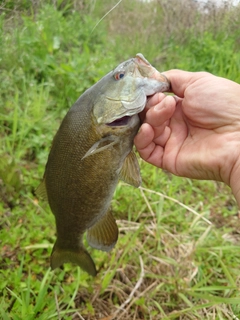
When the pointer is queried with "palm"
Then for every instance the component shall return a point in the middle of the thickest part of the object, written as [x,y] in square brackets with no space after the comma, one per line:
[199,149]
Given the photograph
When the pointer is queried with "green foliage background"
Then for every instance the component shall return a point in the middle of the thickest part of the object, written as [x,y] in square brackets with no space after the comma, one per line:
[50,53]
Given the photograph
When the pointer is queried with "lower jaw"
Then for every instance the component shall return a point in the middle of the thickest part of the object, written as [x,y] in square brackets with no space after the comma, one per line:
[120,122]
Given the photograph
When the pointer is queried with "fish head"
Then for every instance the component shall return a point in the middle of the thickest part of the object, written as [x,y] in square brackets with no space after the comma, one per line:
[123,92]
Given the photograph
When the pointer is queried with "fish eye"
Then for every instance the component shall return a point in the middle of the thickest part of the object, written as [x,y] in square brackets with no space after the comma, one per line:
[119,75]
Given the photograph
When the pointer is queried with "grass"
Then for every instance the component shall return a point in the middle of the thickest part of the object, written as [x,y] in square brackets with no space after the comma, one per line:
[178,253]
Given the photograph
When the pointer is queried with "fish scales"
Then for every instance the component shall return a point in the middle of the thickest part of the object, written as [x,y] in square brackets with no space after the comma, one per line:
[90,152]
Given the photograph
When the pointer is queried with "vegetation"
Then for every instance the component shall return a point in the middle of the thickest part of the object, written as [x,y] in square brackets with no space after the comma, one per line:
[178,253]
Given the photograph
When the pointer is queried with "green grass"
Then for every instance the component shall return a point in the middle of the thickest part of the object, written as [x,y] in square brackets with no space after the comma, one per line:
[178,253]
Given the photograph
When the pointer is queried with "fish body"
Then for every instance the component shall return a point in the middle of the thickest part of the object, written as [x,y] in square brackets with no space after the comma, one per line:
[90,152]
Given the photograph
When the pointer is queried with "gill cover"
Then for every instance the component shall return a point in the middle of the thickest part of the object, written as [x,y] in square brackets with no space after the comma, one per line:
[124,91]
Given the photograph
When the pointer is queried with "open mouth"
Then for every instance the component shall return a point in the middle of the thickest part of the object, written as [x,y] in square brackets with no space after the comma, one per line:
[120,122]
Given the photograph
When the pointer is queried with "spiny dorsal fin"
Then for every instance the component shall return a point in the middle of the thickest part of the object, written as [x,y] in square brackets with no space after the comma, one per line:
[104,234]
[41,191]
[130,172]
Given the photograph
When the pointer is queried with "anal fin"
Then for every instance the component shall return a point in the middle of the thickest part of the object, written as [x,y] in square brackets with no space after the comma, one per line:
[104,234]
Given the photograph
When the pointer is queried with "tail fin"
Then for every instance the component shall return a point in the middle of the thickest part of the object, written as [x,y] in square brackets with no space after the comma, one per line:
[81,257]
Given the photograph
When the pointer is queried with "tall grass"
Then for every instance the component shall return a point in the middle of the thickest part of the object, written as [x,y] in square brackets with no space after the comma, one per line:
[178,252]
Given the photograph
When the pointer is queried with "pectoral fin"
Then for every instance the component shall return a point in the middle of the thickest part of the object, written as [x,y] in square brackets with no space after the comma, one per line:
[41,191]
[130,172]
[101,145]
[80,256]
[104,234]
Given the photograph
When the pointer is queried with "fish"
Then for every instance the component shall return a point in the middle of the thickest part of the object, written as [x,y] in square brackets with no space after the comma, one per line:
[91,151]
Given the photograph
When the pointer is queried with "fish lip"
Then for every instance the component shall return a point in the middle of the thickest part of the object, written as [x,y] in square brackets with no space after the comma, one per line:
[141,60]
[145,66]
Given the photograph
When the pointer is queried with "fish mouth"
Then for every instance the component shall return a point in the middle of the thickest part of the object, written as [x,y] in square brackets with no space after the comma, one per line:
[120,122]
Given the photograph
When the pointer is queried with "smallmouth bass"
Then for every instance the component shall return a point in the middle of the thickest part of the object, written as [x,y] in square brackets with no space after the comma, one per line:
[91,151]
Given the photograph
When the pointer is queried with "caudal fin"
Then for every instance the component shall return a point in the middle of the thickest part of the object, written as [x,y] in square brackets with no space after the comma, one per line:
[81,257]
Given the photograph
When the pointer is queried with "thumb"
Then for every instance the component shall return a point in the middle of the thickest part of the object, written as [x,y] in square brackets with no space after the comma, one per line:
[180,80]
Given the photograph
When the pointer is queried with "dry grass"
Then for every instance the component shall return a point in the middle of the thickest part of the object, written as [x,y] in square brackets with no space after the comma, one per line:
[169,19]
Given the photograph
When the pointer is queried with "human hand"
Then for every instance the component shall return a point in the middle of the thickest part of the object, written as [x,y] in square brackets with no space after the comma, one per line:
[197,133]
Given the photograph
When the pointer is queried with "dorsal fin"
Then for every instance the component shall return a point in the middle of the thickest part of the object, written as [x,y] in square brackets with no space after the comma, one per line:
[41,191]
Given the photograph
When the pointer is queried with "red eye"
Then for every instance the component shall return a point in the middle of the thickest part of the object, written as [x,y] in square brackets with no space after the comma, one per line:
[119,75]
